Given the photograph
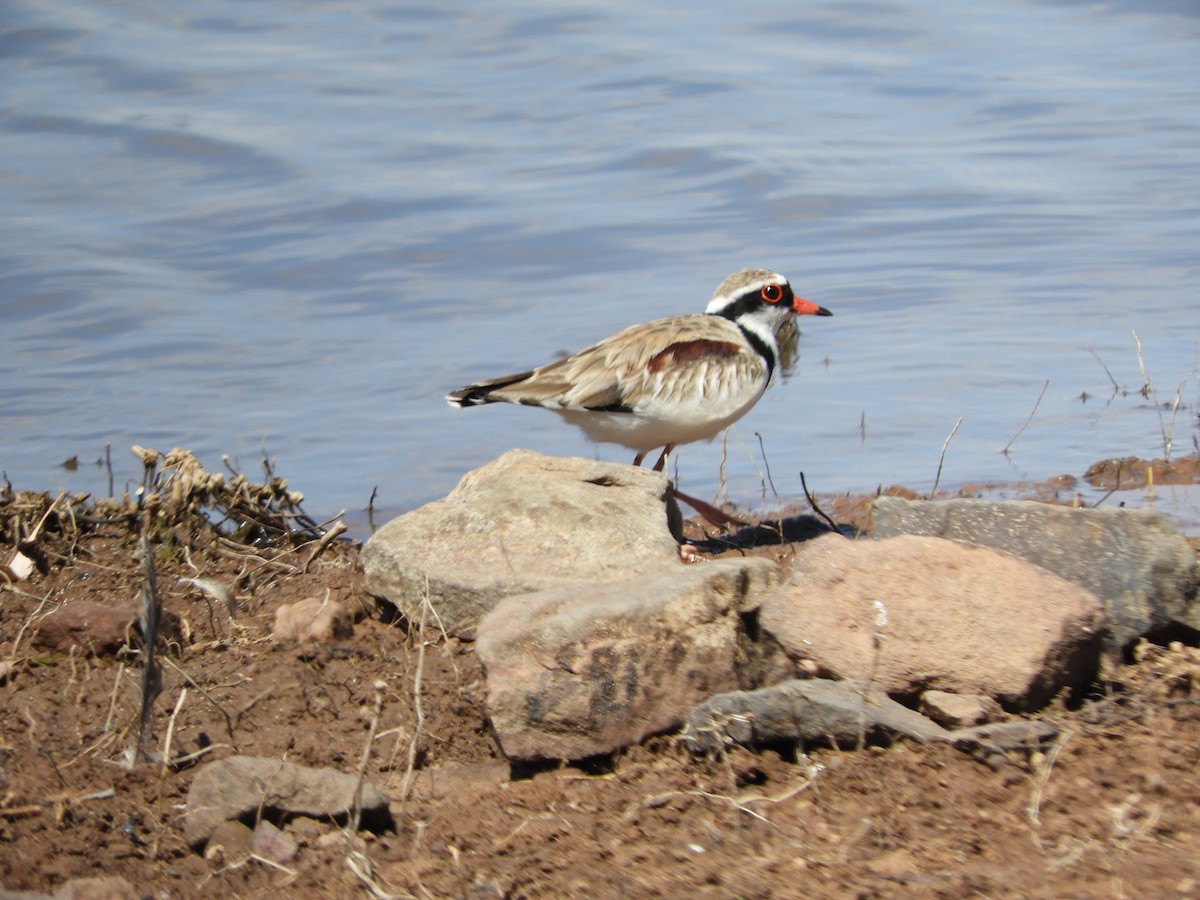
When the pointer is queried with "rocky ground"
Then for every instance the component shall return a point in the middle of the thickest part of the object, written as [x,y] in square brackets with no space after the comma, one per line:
[89,787]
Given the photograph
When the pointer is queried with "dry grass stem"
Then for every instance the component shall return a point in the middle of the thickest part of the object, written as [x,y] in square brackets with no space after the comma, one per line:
[166,752]
[1028,419]
[418,707]
[332,534]
[762,451]
[812,501]
[1167,429]
[1116,387]
[942,458]
[376,712]
[722,483]
[1044,771]
[205,694]
[29,620]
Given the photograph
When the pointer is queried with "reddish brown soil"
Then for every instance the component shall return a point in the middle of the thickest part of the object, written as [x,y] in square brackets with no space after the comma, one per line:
[1111,811]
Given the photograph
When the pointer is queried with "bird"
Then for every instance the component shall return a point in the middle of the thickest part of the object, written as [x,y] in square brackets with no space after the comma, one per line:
[669,381]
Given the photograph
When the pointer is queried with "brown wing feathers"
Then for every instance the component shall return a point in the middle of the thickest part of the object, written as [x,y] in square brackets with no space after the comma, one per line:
[690,351]
[607,375]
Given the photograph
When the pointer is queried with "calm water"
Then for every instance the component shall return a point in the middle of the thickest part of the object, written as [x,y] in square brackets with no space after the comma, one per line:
[290,228]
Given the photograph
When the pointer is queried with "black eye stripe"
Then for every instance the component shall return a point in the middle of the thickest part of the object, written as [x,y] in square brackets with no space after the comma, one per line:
[750,299]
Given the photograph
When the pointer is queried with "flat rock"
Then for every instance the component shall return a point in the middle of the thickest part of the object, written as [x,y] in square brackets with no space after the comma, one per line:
[522,523]
[585,669]
[99,629]
[910,614]
[1134,560]
[242,787]
[803,710]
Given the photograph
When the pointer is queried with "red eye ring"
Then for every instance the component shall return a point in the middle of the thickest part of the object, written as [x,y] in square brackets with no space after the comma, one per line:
[772,293]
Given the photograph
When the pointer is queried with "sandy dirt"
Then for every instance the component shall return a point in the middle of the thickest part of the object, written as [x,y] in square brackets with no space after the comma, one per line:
[1112,810]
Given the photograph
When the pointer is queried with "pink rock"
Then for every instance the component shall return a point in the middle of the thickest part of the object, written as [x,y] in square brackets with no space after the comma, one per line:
[316,619]
[271,843]
[913,613]
[99,628]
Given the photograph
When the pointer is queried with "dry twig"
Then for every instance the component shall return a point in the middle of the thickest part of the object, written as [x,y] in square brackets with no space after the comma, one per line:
[1028,419]
[942,459]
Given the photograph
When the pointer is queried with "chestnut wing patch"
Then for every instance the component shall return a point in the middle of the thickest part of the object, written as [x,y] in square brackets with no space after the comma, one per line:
[683,352]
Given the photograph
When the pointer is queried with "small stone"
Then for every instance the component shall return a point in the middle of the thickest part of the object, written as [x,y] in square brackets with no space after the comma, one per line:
[271,843]
[231,841]
[332,839]
[305,830]
[958,710]
[896,864]
[99,628]
[242,786]
[315,619]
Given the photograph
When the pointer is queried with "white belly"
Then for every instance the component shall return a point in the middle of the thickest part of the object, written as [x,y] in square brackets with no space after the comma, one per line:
[670,420]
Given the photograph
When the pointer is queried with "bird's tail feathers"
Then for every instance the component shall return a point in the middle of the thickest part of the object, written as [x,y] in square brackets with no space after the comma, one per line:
[481,392]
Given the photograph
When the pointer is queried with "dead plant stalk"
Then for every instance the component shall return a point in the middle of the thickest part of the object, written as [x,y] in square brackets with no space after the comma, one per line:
[418,708]
[942,459]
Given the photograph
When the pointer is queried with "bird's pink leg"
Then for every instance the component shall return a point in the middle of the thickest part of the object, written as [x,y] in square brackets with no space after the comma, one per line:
[662,460]
[708,512]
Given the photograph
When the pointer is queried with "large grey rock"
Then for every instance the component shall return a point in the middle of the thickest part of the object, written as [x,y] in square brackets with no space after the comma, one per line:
[914,613]
[522,523]
[243,786]
[581,670]
[1132,559]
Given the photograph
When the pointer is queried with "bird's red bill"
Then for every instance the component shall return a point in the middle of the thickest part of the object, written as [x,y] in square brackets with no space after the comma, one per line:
[802,307]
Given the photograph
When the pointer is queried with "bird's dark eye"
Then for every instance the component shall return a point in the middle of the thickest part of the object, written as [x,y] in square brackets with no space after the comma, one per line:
[772,293]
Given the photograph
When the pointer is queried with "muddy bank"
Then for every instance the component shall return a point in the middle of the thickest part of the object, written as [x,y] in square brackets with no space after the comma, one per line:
[88,786]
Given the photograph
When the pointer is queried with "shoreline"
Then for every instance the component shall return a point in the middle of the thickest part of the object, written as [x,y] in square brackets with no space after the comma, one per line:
[94,781]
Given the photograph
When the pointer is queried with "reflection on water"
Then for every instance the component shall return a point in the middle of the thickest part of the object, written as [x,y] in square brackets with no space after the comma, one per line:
[286,228]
